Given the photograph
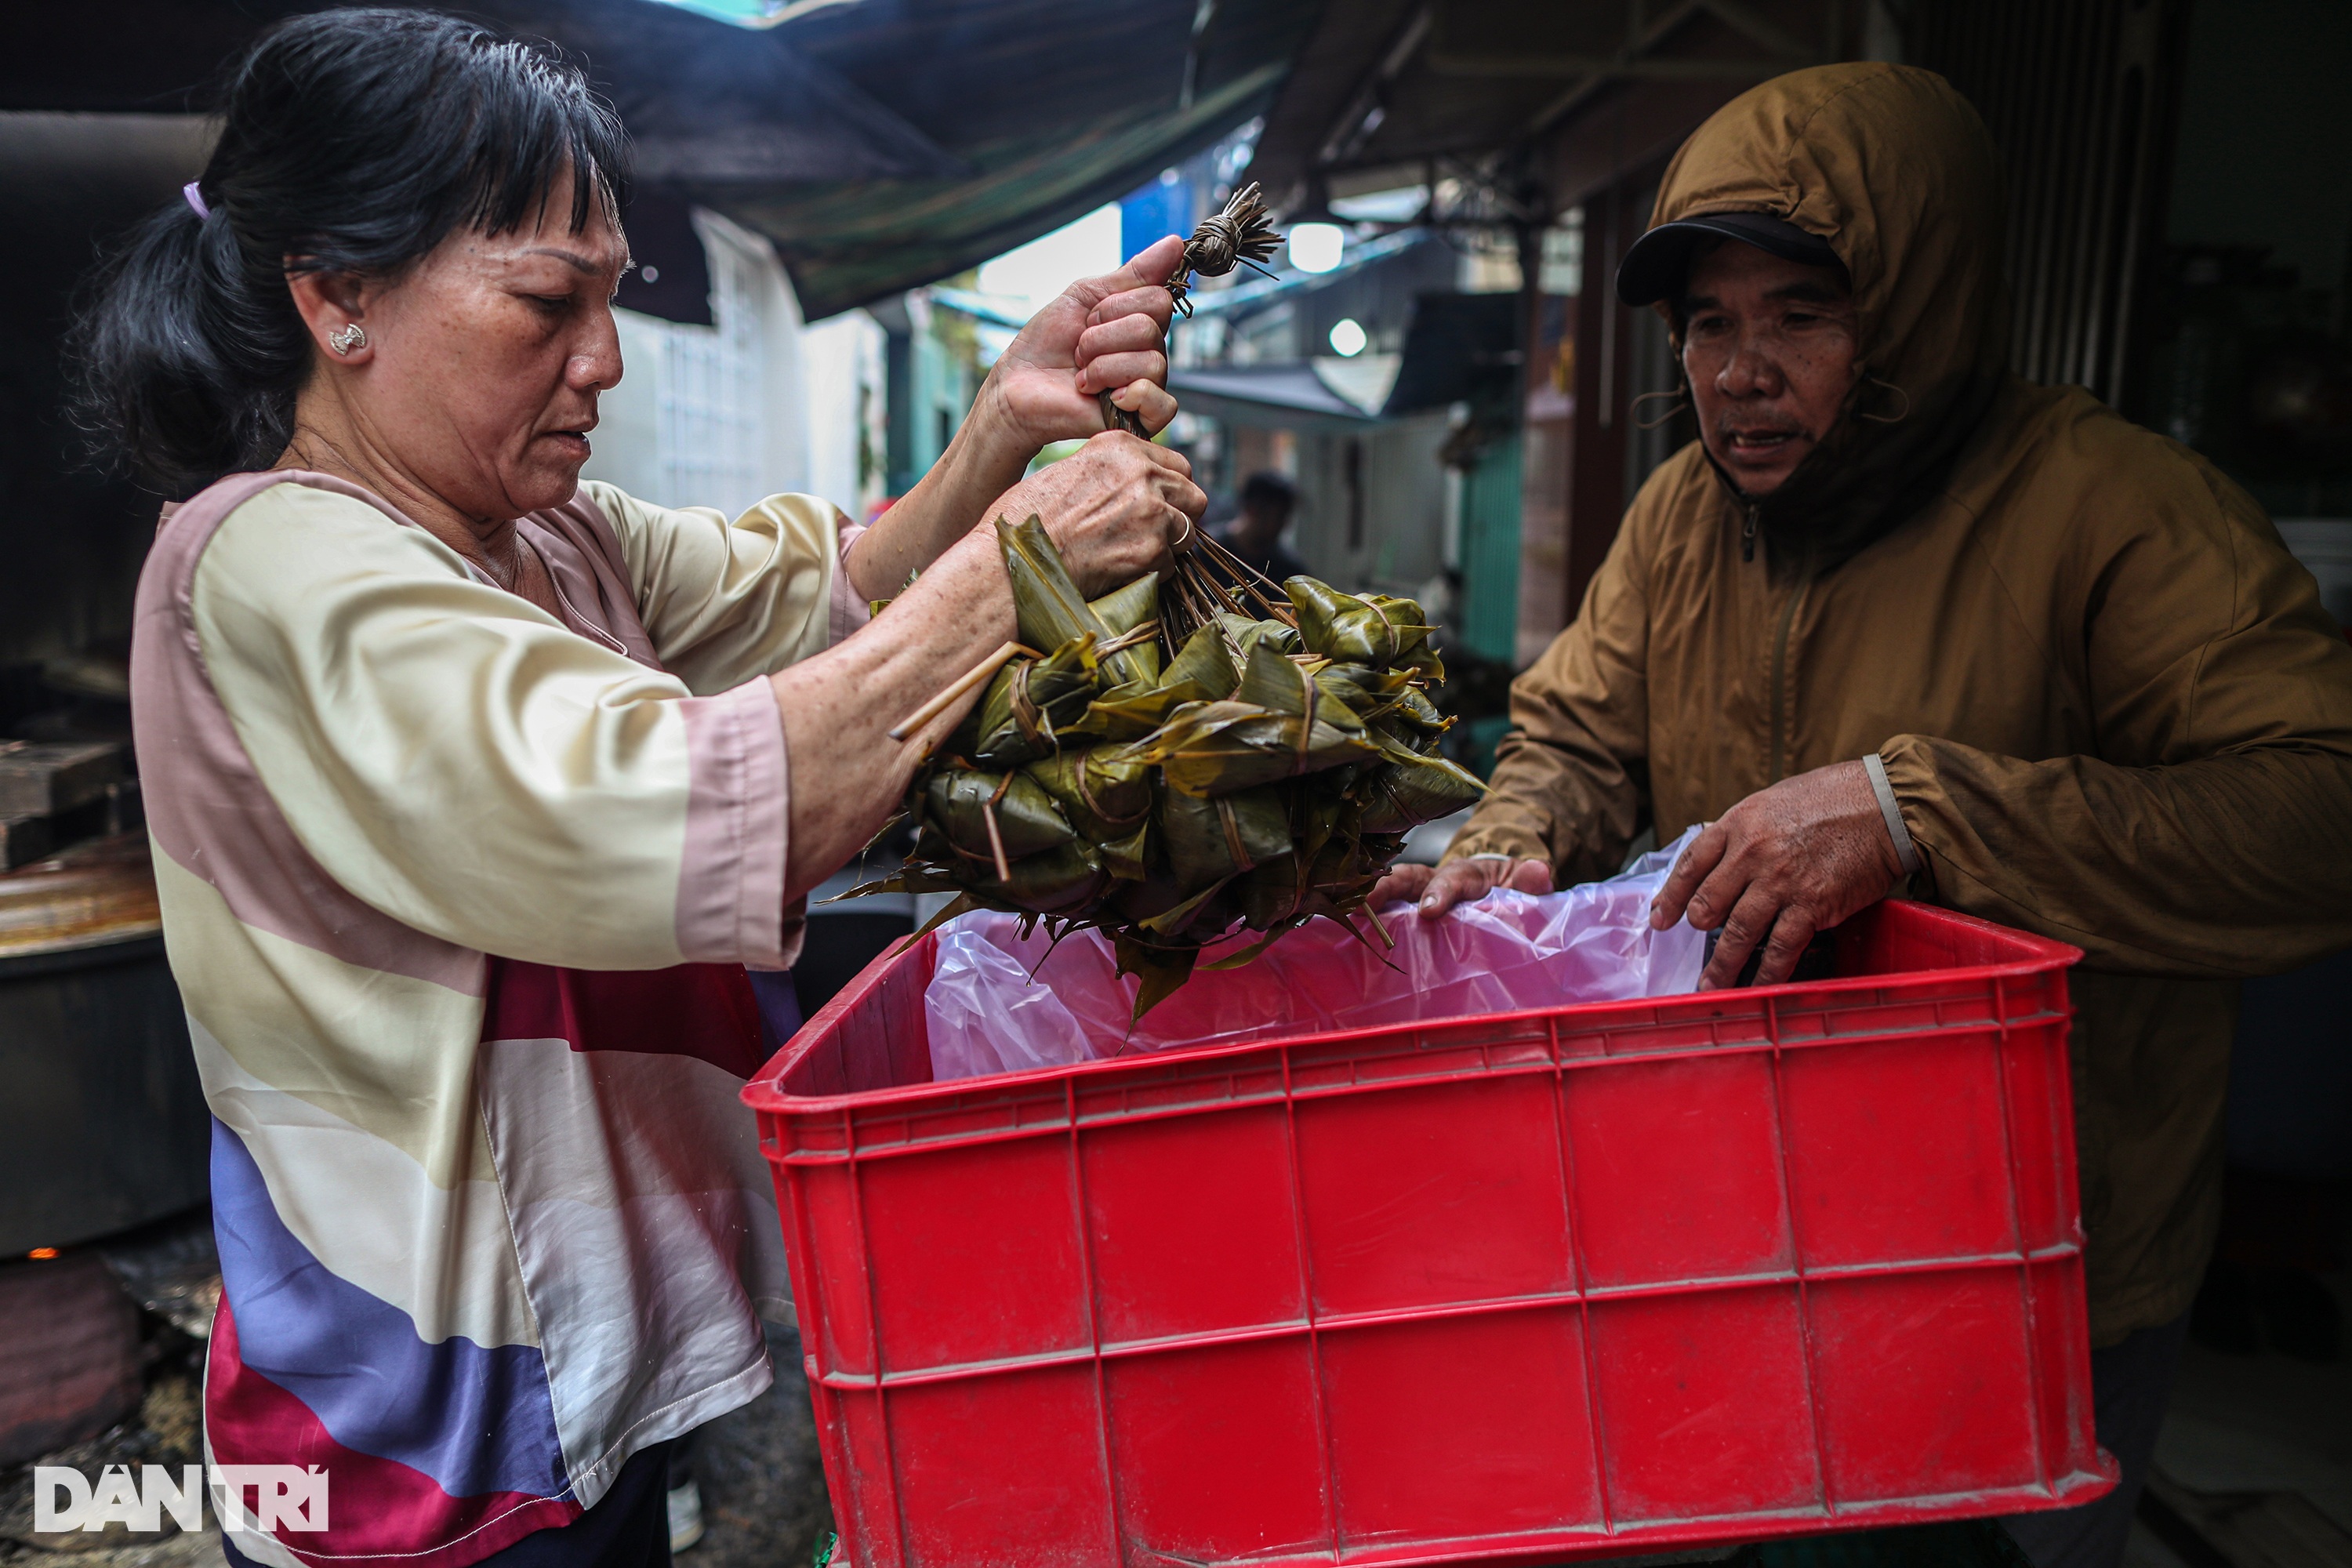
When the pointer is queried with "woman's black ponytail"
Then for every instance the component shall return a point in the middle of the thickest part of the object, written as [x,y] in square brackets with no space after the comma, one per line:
[351,142]
[183,372]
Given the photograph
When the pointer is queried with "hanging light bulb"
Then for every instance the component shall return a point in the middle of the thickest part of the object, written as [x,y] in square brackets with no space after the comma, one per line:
[1317,246]
[1348,338]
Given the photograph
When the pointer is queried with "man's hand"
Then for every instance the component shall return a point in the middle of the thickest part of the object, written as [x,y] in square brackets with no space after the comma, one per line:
[1101,334]
[1439,888]
[1790,860]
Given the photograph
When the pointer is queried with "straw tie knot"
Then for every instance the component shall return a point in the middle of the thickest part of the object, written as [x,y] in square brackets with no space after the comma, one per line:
[1216,245]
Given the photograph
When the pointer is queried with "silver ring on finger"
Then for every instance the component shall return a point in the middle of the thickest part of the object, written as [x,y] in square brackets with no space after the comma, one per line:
[1182,539]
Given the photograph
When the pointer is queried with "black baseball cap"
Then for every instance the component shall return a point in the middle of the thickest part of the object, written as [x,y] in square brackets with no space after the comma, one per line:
[1655,268]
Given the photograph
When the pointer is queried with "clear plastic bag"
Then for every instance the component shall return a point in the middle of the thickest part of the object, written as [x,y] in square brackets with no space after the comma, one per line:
[999,1001]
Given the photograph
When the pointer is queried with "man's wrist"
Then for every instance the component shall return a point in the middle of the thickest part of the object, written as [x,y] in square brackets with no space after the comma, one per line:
[1907,854]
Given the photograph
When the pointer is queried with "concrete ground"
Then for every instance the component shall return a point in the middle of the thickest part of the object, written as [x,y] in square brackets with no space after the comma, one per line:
[2257,1454]
[763,1497]
[764,1503]
[166,1430]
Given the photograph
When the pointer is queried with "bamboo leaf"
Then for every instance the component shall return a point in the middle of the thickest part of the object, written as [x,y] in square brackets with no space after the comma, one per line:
[959,801]
[1045,602]
[1030,703]
[1412,790]
[1263,778]
[1124,609]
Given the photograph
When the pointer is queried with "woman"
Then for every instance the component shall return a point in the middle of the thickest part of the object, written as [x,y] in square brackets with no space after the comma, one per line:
[474,787]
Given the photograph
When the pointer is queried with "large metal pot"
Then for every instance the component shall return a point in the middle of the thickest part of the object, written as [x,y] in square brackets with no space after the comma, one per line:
[102,1120]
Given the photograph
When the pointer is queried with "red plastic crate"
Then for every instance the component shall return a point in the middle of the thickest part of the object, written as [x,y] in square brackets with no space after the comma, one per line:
[1598,1280]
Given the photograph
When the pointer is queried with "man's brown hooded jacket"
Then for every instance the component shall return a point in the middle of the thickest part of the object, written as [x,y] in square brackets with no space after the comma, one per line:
[2111,706]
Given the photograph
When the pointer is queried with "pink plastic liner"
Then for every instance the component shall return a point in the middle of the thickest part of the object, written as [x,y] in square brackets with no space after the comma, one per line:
[999,1001]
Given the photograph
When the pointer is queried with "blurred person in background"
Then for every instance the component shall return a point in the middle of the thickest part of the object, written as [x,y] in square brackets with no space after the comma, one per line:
[474,788]
[1268,501]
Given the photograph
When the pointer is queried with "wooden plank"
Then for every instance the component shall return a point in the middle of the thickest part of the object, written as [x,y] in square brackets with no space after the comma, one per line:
[116,808]
[41,778]
[24,839]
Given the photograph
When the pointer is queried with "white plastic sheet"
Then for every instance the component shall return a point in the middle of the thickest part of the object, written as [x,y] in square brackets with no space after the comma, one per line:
[1001,1003]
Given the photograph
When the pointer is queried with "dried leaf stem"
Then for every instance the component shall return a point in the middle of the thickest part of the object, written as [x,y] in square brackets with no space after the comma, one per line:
[978,674]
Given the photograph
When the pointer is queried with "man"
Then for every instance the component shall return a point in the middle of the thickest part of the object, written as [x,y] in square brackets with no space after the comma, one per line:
[1900,620]
[1267,502]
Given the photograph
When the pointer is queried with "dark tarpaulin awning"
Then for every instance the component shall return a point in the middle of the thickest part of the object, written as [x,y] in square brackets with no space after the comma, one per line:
[1057,105]
[850,242]
[710,103]
[880,144]
[1385,88]
[702,100]
[1460,348]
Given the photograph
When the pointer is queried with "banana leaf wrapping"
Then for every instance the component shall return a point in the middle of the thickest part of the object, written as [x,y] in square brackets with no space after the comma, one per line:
[1245,634]
[1210,841]
[1030,702]
[1124,609]
[1202,671]
[1045,603]
[961,803]
[1057,881]
[1108,798]
[1410,790]
[1281,893]
[1375,629]
[1183,758]
[1217,748]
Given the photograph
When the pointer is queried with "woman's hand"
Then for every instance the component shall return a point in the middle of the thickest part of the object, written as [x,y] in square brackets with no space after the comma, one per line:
[1115,508]
[1102,335]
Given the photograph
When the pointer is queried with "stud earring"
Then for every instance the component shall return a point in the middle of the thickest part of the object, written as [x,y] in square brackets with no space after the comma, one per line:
[349,338]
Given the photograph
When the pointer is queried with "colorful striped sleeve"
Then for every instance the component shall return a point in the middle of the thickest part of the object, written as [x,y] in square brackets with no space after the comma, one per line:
[724,601]
[461,762]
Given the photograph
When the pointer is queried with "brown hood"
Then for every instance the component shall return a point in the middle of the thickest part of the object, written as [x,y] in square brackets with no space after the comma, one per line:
[1896,171]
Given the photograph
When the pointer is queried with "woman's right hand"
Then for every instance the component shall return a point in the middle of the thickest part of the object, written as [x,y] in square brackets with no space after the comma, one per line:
[1115,508]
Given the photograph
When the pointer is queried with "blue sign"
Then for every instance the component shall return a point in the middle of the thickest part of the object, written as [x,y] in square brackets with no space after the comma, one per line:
[1160,209]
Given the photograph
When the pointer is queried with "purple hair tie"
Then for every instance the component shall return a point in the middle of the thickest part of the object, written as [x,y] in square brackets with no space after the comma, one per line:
[196,198]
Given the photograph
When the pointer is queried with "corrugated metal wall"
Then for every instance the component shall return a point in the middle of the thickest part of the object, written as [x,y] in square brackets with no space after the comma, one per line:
[2079,94]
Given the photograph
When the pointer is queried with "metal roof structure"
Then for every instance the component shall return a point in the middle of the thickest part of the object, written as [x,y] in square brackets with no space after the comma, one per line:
[1390,85]
[1288,393]
[1252,293]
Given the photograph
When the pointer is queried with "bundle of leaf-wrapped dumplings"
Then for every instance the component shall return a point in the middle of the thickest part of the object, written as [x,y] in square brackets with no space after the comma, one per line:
[1163,764]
